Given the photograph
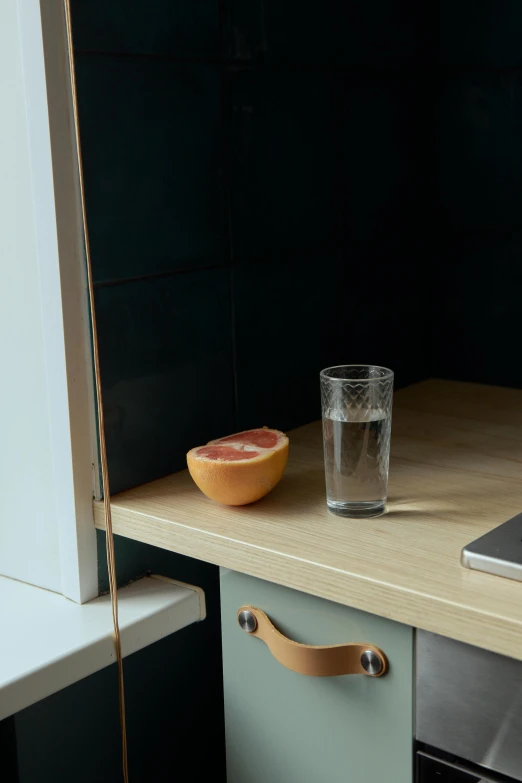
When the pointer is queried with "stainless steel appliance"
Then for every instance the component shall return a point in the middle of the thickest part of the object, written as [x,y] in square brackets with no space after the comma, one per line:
[468,713]
[432,769]
[497,552]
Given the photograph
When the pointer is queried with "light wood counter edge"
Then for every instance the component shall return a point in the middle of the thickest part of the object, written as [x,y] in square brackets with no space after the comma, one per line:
[386,600]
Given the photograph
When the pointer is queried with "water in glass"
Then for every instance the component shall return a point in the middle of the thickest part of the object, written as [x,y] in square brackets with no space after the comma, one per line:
[356,455]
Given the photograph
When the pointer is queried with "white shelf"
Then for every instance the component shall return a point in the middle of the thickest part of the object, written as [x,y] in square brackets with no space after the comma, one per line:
[49,642]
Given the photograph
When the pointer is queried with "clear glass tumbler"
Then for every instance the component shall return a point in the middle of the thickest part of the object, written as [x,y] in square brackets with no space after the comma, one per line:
[357,409]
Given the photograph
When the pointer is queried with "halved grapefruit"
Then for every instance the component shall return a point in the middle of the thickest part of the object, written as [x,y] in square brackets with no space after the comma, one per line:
[240,468]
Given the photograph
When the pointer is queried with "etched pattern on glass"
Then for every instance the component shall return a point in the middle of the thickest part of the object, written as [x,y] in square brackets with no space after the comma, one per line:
[356,433]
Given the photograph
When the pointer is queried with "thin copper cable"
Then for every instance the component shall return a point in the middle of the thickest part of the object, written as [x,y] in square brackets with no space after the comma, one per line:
[101,435]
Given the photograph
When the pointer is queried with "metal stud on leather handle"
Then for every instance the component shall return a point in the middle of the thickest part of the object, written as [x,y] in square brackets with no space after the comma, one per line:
[315,661]
[247,620]
[371,663]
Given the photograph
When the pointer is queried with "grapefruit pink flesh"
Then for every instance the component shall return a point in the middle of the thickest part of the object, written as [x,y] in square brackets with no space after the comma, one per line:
[265,439]
[226,453]
[240,468]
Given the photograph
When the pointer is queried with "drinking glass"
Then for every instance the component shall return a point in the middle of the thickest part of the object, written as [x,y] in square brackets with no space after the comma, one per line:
[357,407]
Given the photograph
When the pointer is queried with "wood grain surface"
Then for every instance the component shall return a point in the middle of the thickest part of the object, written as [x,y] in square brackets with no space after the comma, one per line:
[455,474]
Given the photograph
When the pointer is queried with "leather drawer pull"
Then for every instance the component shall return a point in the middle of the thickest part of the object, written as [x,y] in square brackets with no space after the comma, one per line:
[315,661]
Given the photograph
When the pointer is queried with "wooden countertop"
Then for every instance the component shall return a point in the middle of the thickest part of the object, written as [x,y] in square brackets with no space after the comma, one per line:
[455,474]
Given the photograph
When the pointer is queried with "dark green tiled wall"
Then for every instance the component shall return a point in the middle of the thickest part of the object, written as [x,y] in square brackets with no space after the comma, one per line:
[253,171]
[8,754]
[483,33]
[152,157]
[167,368]
[184,28]
[479,187]
[332,33]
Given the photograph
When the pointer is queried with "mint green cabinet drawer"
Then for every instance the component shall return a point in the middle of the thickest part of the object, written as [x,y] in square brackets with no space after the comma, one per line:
[283,727]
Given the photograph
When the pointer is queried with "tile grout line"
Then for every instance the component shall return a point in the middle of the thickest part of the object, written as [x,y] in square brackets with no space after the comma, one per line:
[159,275]
[391,68]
